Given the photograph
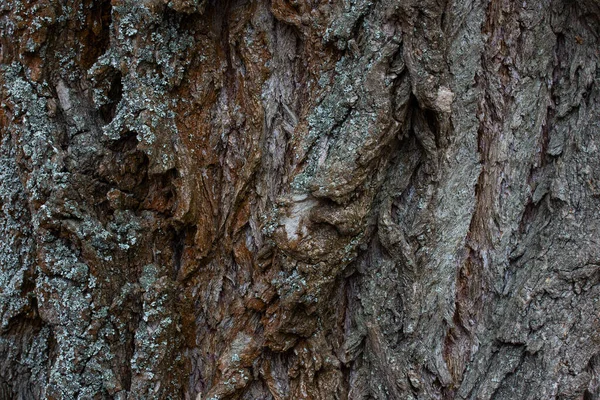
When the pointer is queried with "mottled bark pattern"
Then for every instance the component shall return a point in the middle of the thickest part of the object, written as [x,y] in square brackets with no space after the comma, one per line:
[299,199]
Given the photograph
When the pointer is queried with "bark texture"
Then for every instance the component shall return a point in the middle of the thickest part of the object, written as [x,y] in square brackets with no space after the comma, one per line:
[299,199]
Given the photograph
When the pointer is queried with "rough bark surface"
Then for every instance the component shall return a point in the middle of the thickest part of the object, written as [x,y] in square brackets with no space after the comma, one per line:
[299,199]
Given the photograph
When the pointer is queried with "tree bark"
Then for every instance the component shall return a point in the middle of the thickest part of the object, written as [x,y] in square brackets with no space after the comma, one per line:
[299,199]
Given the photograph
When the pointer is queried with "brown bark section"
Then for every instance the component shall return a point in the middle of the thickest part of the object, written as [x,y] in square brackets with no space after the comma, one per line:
[299,199]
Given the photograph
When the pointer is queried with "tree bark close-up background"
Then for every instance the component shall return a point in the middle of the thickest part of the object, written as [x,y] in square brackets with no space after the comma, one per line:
[299,199]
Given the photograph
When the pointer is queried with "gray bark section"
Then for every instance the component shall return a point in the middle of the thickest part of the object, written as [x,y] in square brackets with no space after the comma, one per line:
[299,200]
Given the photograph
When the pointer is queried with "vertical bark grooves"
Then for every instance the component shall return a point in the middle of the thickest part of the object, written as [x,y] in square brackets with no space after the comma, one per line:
[299,199]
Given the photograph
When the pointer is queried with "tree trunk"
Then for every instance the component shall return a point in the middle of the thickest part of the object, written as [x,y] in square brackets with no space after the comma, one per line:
[299,199]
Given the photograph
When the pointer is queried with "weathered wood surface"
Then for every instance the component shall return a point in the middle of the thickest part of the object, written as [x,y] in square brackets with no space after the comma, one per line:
[343,199]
